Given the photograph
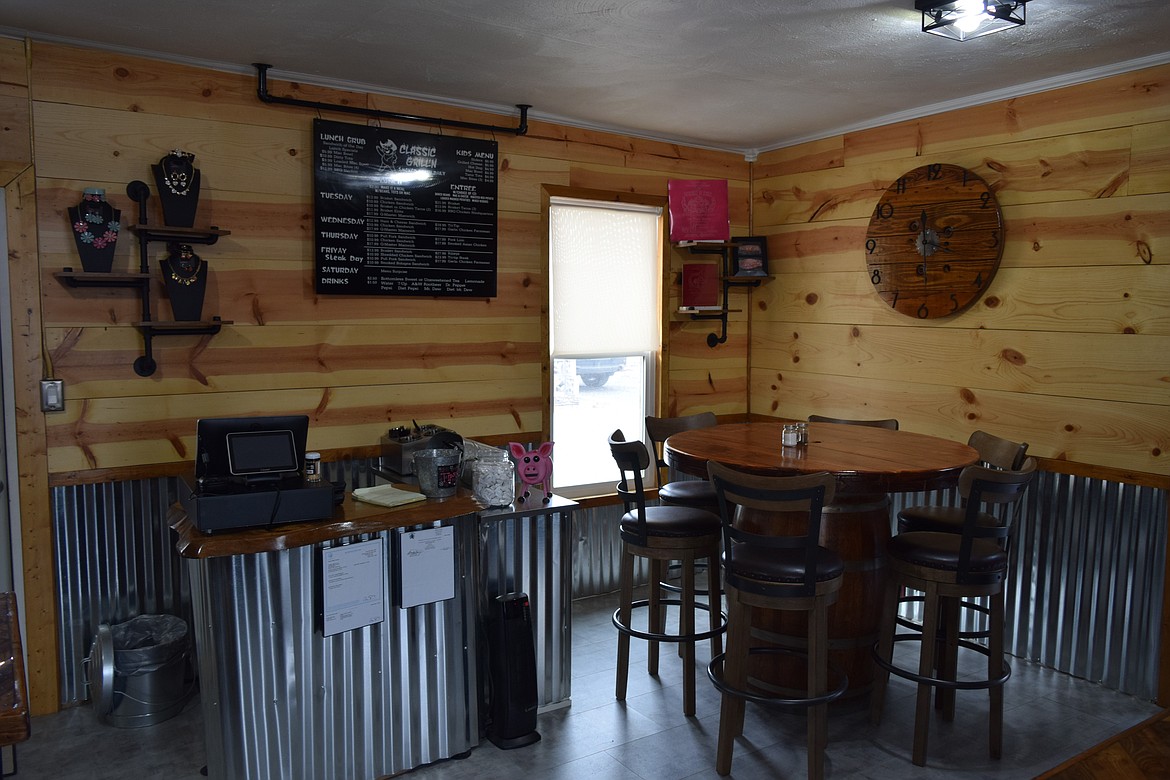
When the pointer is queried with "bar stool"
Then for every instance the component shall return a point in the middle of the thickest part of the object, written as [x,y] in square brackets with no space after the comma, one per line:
[948,568]
[994,452]
[697,493]
[890,424]
[663,534]
[685,492]
[777,571]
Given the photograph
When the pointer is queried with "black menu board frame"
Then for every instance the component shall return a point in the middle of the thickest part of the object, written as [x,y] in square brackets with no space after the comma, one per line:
[403,213]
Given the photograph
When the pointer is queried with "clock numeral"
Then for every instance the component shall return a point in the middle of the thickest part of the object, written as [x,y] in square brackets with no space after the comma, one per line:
[994,239]
[900,185]
[954,303]
[875,276]
[984,199]
[979,280]
[870,245]
[923,312]
[884,211]
[894,303]
[964,177]
[934,171]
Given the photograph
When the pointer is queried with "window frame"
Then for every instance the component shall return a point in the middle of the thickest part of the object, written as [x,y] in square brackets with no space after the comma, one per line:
[658,365]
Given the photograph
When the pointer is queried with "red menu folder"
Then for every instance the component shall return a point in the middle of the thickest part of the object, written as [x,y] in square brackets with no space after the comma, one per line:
[698,210]
[700,286]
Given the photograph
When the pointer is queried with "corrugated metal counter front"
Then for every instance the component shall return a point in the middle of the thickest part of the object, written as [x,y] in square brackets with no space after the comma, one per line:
[281,700]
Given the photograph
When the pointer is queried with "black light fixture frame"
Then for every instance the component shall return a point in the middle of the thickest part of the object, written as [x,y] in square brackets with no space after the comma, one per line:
[936,22]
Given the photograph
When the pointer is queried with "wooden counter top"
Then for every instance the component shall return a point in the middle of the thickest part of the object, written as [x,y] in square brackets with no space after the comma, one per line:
[349,519]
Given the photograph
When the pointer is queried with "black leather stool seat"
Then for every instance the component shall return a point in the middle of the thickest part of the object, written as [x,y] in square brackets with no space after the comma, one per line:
[940,550]
[669,521]
[692,492]
[778,565]
[944,519]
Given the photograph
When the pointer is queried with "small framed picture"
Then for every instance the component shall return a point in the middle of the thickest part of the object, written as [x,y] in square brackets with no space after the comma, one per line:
[750,256]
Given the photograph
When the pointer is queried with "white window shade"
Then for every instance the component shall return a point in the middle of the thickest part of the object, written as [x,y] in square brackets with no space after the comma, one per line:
[604,296]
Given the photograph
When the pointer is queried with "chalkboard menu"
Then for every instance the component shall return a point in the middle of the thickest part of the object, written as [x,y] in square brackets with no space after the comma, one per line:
[403,213]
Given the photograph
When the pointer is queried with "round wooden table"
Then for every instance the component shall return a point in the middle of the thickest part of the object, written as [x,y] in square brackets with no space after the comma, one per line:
[869,463]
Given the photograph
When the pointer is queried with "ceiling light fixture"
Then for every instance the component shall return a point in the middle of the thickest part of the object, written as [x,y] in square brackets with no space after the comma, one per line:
[963,20]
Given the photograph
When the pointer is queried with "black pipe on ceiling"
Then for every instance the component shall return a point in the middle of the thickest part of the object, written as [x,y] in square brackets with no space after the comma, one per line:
[262,92]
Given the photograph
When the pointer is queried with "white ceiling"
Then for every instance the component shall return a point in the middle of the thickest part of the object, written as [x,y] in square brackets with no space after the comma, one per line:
[744,75]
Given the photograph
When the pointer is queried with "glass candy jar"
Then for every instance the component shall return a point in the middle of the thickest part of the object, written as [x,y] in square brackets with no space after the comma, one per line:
[494,480]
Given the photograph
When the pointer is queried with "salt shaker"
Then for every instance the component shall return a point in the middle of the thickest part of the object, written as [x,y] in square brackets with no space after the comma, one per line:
[789,436]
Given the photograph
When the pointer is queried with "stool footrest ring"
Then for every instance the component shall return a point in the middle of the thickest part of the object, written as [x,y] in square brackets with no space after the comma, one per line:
[659,637]
[963,603]
[715,673]
[961,685]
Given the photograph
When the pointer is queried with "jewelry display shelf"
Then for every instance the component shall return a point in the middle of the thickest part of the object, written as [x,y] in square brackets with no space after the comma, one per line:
[145,365]
[101,278]
[727,281]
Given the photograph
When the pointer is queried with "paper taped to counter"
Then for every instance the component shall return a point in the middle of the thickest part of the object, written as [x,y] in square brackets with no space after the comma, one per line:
[387,495]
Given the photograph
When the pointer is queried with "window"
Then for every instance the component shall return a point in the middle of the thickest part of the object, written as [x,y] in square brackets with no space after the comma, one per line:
[605,287]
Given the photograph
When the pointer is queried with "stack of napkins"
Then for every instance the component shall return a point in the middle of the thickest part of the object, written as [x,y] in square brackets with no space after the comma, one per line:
[387,495]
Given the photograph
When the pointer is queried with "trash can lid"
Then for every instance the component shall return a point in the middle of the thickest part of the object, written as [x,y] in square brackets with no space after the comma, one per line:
[101,670]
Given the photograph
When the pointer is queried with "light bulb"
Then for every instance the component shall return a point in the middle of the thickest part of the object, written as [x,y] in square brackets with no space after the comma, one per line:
[972,14]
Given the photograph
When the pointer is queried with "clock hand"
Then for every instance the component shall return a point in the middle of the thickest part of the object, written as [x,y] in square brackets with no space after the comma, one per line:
[925,245]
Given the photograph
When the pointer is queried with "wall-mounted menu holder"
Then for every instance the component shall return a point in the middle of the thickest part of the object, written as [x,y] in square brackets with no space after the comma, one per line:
[724,250]
[145,365]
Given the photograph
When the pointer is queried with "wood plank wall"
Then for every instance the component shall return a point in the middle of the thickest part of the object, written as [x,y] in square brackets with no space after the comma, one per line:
[356,365]
[1068,350]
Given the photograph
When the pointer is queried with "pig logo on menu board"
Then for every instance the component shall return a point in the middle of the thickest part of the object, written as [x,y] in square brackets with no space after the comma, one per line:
[388,151]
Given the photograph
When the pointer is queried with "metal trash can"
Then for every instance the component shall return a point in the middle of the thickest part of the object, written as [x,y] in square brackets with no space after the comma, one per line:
[138,670]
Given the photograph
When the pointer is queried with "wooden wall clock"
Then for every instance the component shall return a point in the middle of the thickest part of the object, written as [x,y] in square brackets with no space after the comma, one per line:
[934,242]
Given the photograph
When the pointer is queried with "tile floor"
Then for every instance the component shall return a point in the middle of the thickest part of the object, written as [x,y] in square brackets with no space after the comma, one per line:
[1049,717]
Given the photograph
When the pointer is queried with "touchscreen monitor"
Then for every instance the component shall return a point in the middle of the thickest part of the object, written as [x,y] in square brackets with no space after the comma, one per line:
[237,449]
[261,454]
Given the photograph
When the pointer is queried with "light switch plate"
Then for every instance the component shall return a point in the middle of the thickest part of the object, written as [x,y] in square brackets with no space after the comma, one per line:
[52,395]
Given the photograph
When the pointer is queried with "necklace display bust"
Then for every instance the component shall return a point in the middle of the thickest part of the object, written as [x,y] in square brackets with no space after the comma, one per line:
[185,278]
[177,181]
[95,230]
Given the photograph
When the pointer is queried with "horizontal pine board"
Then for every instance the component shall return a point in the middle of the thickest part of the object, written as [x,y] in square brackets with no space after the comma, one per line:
[1117,101]
[1107,433]
[111,433]
[1121,232]
[1094,366]
[1082,300]
[1086,165]
[97,362]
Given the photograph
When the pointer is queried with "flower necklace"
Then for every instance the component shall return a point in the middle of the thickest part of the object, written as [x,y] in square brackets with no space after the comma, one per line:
[185,268]
[178,171]
[95,211]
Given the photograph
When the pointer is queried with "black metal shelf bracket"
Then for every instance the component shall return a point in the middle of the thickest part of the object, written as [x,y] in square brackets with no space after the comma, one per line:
[145,364]
[726,282]
[262,92]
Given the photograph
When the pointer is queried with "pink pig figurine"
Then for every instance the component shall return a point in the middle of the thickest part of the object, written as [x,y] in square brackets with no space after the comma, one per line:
[534,467]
